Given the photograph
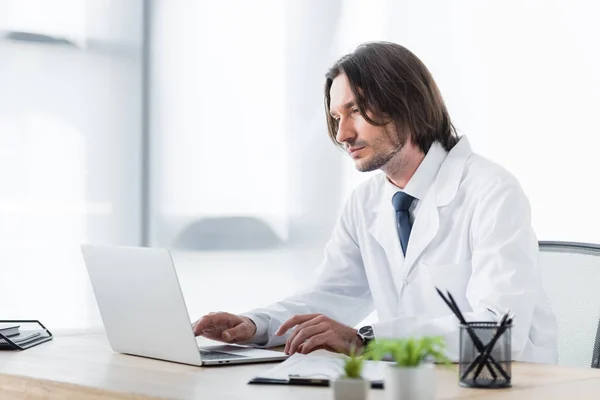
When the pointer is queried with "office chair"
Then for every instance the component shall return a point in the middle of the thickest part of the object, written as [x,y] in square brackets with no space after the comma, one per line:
[571,278]
[228,233]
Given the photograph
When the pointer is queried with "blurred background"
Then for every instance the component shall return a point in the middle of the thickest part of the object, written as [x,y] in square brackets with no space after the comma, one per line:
[199,126]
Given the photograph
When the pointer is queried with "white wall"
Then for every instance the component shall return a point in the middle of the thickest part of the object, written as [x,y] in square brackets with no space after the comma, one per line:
[217,113]
[238,103]
[534,85]
[70,151]
[521,81]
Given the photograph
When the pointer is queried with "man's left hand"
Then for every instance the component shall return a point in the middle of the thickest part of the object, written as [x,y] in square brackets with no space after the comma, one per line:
[316,331]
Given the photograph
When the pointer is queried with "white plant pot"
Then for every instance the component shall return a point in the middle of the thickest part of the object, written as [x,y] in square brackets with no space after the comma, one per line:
[350,389]
[410,383]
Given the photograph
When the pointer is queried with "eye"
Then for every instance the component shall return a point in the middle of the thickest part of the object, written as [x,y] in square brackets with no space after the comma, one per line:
[355,110]
[336,118]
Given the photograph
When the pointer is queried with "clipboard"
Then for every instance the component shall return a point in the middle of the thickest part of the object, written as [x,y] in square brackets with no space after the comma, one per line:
[27,338]
[297,380]
[316,370]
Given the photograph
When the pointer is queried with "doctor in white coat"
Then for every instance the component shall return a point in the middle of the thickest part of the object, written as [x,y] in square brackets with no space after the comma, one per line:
[438,215]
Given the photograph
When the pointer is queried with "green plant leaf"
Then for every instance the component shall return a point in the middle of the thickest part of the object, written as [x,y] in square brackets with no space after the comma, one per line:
[353,365]
[409,352]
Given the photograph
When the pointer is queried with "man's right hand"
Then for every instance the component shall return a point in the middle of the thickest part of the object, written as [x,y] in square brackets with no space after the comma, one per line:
[225,327]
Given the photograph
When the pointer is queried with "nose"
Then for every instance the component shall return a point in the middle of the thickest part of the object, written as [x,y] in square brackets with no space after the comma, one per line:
[345,132]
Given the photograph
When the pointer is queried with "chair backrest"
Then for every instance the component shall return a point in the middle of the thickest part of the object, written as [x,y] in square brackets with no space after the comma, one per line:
[228,233]
[571,278]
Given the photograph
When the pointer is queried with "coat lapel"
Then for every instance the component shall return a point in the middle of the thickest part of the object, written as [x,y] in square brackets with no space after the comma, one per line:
[383,229]
[423,231]
[442,191]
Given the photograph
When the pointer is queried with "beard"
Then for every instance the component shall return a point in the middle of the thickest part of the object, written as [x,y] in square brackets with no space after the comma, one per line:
[378,161]
[381,157]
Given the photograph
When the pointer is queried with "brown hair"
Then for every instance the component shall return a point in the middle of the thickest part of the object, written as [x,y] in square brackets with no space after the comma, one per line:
[391,82]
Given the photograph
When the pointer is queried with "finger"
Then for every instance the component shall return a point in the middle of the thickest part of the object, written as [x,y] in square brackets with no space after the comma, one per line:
[295,320]
[239,333]
[202,324]
[301,349]
[316,320]
[304,334]
[317,342]
[212,324]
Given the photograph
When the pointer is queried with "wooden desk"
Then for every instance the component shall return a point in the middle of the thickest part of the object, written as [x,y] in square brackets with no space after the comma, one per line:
[84,366]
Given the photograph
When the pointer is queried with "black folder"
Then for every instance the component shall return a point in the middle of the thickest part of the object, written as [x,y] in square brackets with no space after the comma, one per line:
[25,339]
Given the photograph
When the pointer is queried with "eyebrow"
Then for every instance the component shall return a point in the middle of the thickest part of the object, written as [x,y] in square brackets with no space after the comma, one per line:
[345,106]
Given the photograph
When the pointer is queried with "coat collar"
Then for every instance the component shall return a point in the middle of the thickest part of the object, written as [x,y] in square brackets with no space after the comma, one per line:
[440,174]
[442,189]
[423,178]
[449,177]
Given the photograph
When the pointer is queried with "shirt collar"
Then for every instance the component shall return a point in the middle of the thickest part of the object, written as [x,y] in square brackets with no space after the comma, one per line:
[424,176]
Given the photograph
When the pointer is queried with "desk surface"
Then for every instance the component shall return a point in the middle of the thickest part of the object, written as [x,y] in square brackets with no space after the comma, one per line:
[88,362]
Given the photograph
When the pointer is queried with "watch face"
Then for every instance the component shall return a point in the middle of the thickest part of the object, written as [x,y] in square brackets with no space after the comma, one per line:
[366,332]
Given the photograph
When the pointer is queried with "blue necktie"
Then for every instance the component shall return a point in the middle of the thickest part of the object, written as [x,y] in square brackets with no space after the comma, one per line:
[402,202]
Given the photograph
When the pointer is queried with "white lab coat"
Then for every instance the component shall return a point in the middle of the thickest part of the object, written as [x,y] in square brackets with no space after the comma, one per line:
[472,236]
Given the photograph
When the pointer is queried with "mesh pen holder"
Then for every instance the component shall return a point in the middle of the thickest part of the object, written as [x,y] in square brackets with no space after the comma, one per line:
[485,355]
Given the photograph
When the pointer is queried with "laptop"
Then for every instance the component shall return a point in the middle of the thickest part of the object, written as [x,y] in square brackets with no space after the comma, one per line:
[144,313]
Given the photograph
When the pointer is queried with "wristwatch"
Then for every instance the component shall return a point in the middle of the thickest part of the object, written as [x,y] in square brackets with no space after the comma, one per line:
[366,335]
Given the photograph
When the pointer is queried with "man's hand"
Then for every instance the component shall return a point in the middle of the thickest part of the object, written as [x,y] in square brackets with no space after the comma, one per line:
[225,327]
[316,331]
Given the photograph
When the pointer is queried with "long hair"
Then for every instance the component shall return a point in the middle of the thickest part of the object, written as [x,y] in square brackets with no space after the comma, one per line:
[395,86]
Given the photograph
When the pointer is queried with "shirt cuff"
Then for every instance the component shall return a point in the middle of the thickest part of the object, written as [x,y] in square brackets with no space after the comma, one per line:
[261,336]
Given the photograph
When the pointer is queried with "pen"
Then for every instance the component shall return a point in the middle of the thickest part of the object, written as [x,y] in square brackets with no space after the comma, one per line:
[451,303]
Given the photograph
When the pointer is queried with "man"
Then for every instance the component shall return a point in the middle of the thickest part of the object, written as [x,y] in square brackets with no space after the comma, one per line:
[438,216]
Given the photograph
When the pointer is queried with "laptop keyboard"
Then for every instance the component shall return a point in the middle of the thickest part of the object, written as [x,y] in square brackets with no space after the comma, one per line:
[217,355]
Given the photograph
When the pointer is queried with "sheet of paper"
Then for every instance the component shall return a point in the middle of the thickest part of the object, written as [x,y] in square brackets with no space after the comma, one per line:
[316,366]
[23,337]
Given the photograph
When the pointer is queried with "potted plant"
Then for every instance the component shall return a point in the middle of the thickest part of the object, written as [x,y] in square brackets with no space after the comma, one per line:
[351,385]
[412,375]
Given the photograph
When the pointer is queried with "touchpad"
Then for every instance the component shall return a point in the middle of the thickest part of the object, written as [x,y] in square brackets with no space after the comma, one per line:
[225,348]
[247,351]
